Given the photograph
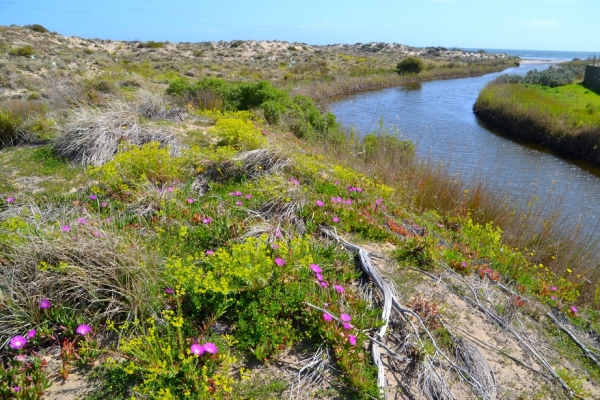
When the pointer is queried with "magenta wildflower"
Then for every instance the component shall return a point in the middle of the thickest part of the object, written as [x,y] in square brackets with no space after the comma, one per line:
[128,193]
[348,201]
[231,194]
[190,201]
[277,233]
[210,348]
[280,261]
[65,228]
[574,309]
[338,288]
[379,201]
[275,246]
[347,326]
[45,303]
[16,388]
[319,277]
[340,200]
[10,200]
[207,220]
[238,193]
[93,197]
[96,233]
[319,203]
[335,219]
[316,269]
[170,189]
[248,196]
[18,342]
[553,297]
[103,204]
[238,203]
[463,264]
[345,318]
[169,291]
[336,183]
[327,317]
[352,340]
[31,334]
[82,221]
[209,252]
[197,349]
[359,190]
[324,284]
[554,288]
[83,329]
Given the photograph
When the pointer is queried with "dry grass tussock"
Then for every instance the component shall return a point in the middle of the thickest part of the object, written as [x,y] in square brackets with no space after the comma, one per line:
[92,136]
[89,270]
[155,106]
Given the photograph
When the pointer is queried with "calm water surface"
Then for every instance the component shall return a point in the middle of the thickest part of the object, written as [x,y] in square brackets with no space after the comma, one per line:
[438,117]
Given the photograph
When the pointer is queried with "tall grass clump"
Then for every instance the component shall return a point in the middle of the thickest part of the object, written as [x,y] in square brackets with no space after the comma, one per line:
[92,136]
[410,65]
[23,122]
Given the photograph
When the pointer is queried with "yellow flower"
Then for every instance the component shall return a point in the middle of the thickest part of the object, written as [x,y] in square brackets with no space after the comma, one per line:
[569,270]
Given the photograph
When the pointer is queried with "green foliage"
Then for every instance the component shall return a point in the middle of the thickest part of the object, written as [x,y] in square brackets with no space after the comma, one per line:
[37,28]
[239,133]
[134,166]
[301,115]
[376,146]
[151,45]
[9,128]
[419,251]
[25,51]
[554,76]
[410,65]
[22,380]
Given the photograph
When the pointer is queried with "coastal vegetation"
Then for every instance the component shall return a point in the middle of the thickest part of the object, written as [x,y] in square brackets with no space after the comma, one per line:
[177,236]
[546,107]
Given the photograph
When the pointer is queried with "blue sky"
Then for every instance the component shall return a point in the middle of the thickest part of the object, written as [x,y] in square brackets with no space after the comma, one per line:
[568,25]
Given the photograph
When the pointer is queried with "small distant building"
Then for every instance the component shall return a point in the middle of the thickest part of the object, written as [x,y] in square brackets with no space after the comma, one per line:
[591,79]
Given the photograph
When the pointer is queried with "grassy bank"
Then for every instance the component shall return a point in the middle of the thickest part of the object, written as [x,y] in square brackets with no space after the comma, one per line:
[565,118]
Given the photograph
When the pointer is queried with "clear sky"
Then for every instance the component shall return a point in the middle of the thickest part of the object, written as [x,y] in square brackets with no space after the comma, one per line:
[568,25]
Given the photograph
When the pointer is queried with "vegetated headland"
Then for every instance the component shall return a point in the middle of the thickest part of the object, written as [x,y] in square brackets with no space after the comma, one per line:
[552,107]
[168,233]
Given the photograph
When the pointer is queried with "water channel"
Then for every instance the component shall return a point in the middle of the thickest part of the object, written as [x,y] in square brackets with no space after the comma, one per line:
[438,117]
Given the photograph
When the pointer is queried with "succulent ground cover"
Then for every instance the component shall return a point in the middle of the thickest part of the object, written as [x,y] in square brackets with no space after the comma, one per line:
[198,240]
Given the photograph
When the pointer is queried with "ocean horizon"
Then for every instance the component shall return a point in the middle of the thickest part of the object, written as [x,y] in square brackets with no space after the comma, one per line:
[544,54]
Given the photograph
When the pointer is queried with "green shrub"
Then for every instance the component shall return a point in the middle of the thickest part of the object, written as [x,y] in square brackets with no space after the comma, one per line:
[9,129]
[37,28]
[410,65]
[239,133]
[151,45]
[25,51]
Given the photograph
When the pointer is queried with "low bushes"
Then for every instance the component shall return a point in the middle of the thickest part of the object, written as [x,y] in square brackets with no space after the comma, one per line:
[300,115]
[410,65]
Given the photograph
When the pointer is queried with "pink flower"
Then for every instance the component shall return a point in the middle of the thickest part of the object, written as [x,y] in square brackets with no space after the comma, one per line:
[10,200]
[238,193]
[319,203]
[65,228]
[93,197]
[323,284]
[316,269]
[207,220]
[18,342]
[280,261]
[209,252]
[345,318]
[197,349]
[359,190]
[275,246]
[336,183]
[554,288]
[464,264]
[190,201]
[348,201]
[82,221]
[440,225]
[338,288]
[31,334]
[352,340]
[45,303]
[103,204]
[16,388]
[238,203]
[248,196]
[277,232]
[335,219]
[553,297]
[334,200]
[574,309]
[210,348]
[347,326]
[96,233]
[327,316]
[319,277]
[169,291]
[170,189]
[231,194]
[83,329]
